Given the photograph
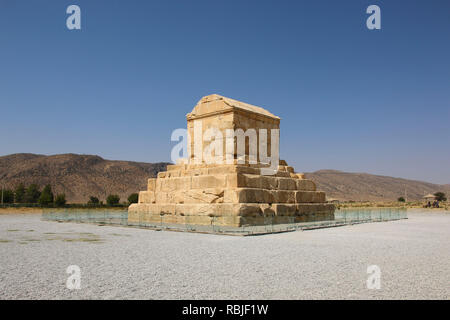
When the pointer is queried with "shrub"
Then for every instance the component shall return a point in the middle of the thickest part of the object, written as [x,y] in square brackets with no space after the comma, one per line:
[440,196]
[46,196]
[112,199]
[60,200]
[19,193]
[401,199]
[32,194]
[133,198]
[7,196]
[93,200]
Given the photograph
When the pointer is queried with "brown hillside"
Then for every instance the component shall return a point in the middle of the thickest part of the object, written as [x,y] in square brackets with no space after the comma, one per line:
[81,176]
[369,187]
[78,176]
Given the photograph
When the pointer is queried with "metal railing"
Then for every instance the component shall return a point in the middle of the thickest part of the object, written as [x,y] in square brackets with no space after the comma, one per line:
[345,216]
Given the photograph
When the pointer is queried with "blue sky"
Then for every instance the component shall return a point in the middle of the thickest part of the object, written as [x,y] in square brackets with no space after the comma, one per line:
[350,98]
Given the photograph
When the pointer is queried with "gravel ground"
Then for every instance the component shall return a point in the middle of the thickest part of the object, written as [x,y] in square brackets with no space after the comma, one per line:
[128,263]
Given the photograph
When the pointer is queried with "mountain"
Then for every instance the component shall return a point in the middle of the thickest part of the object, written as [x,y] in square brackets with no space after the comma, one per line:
[369,187]
[78,176]
[81,176]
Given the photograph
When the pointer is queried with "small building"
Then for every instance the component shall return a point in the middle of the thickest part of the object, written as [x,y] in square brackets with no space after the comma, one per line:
[429,197]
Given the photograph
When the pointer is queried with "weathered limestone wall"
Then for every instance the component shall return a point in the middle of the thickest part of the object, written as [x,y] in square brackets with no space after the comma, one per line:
[232,195]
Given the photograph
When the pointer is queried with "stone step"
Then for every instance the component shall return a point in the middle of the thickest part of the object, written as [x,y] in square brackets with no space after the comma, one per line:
[229,181]
[175,171]
[136,212]
[224,221]
[237,195]
[248,195]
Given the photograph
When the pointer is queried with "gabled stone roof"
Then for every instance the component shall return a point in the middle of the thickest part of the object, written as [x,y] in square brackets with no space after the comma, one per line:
[216,103]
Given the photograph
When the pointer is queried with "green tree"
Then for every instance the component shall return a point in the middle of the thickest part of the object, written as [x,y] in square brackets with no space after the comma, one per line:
[46,197]
[32,194]
[19,193]
[401,199]
[133,198]
[93,200]
[440,196]
[112,199]
[60,200]
[7,196]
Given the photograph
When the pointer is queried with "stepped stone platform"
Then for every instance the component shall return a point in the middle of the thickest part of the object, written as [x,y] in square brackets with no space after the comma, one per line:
[229,194]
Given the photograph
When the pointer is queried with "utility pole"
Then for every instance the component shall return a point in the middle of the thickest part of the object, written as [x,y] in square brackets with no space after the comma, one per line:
[2,193]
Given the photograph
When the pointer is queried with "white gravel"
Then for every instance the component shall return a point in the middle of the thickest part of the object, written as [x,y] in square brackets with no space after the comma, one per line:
[128,263]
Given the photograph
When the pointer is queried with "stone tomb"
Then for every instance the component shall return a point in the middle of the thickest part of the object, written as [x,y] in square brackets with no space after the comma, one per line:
[229,194]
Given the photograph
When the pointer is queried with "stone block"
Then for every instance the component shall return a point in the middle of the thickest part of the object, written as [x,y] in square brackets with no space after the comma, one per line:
[305,185]
[289,169]
[287,184]
[269,182]
[284,196]
[247,209]
[151,184]
[146,197]
[283,174]
[209,181]
[173,174]
[248,195]
[223,169]
[211,195]
[309,196]
[282,209]
[161,175]
[161,197]
[300,175]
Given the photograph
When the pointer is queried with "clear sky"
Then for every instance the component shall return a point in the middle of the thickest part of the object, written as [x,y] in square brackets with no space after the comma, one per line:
[351,99]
